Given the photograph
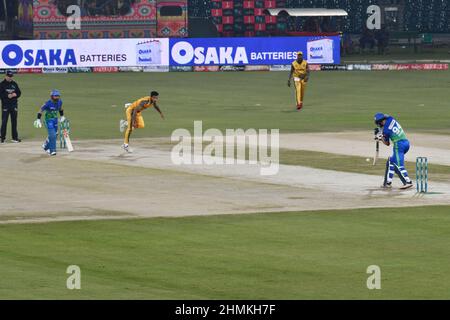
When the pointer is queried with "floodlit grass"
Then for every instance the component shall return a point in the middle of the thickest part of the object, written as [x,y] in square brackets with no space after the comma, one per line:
[335,101]
[296,255]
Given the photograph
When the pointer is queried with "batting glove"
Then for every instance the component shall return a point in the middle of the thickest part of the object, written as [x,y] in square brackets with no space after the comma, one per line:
[62,119]
[379,137]
[38,123]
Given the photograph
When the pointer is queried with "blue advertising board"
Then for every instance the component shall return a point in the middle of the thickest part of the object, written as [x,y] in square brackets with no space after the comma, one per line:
[253,51]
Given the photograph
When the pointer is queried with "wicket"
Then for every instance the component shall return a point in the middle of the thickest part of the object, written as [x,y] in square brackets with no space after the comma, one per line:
[422,174]
[63,125]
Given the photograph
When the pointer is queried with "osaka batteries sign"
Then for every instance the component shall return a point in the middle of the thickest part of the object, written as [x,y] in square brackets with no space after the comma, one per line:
[253,51]
[84,53]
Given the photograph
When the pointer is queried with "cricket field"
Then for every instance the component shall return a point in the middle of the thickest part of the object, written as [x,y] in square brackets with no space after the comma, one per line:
[141,227]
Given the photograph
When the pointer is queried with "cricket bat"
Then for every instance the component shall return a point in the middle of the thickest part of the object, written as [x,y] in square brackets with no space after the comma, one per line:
[377,152]
[67,140]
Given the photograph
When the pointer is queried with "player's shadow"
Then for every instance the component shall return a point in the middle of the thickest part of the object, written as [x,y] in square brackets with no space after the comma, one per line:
[127,157]
[35,159]
[375,192]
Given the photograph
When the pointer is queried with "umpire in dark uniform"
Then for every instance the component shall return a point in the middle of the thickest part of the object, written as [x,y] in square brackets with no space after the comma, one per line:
[9,93]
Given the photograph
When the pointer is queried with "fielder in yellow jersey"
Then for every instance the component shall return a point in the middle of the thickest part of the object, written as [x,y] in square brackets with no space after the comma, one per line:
[134,116]
[300,72]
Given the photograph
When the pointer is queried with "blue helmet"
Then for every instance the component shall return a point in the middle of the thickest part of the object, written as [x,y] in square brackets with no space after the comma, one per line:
[379,117]
[55,93]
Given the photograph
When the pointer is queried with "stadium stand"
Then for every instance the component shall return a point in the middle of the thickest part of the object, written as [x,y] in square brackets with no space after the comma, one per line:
[245,18]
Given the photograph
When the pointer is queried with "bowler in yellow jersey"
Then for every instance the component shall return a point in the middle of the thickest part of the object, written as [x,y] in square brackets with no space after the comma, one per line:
[134,116]
[300,73]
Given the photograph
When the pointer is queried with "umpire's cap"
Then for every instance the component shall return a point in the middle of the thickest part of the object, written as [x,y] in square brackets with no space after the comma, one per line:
[9,73]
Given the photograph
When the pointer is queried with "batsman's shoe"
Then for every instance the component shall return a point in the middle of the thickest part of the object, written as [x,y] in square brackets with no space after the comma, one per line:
[127,148]
[387,185]
[16,140]
[407,185]
[123,124]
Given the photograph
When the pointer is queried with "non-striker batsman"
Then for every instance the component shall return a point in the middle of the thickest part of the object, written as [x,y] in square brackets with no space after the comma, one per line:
[52,108]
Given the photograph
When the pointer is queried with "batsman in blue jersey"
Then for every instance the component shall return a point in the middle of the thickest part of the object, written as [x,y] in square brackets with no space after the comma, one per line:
[52,108]
[391,130]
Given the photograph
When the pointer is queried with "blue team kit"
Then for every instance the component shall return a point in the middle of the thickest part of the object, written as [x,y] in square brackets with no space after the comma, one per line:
[393,131]
[52,109]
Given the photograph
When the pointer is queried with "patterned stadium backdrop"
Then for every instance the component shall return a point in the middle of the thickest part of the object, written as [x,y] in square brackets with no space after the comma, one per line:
[139,22]
[173,26]
[25,17]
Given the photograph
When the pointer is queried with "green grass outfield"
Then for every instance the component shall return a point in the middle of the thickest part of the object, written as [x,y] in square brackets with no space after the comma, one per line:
[297,255]
[335,101]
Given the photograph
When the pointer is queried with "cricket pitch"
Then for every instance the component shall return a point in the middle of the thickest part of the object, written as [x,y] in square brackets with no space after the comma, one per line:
[100,181]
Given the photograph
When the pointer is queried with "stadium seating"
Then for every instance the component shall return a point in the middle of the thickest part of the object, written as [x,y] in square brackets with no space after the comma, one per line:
[199,8]
[427,16]
[245,17]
